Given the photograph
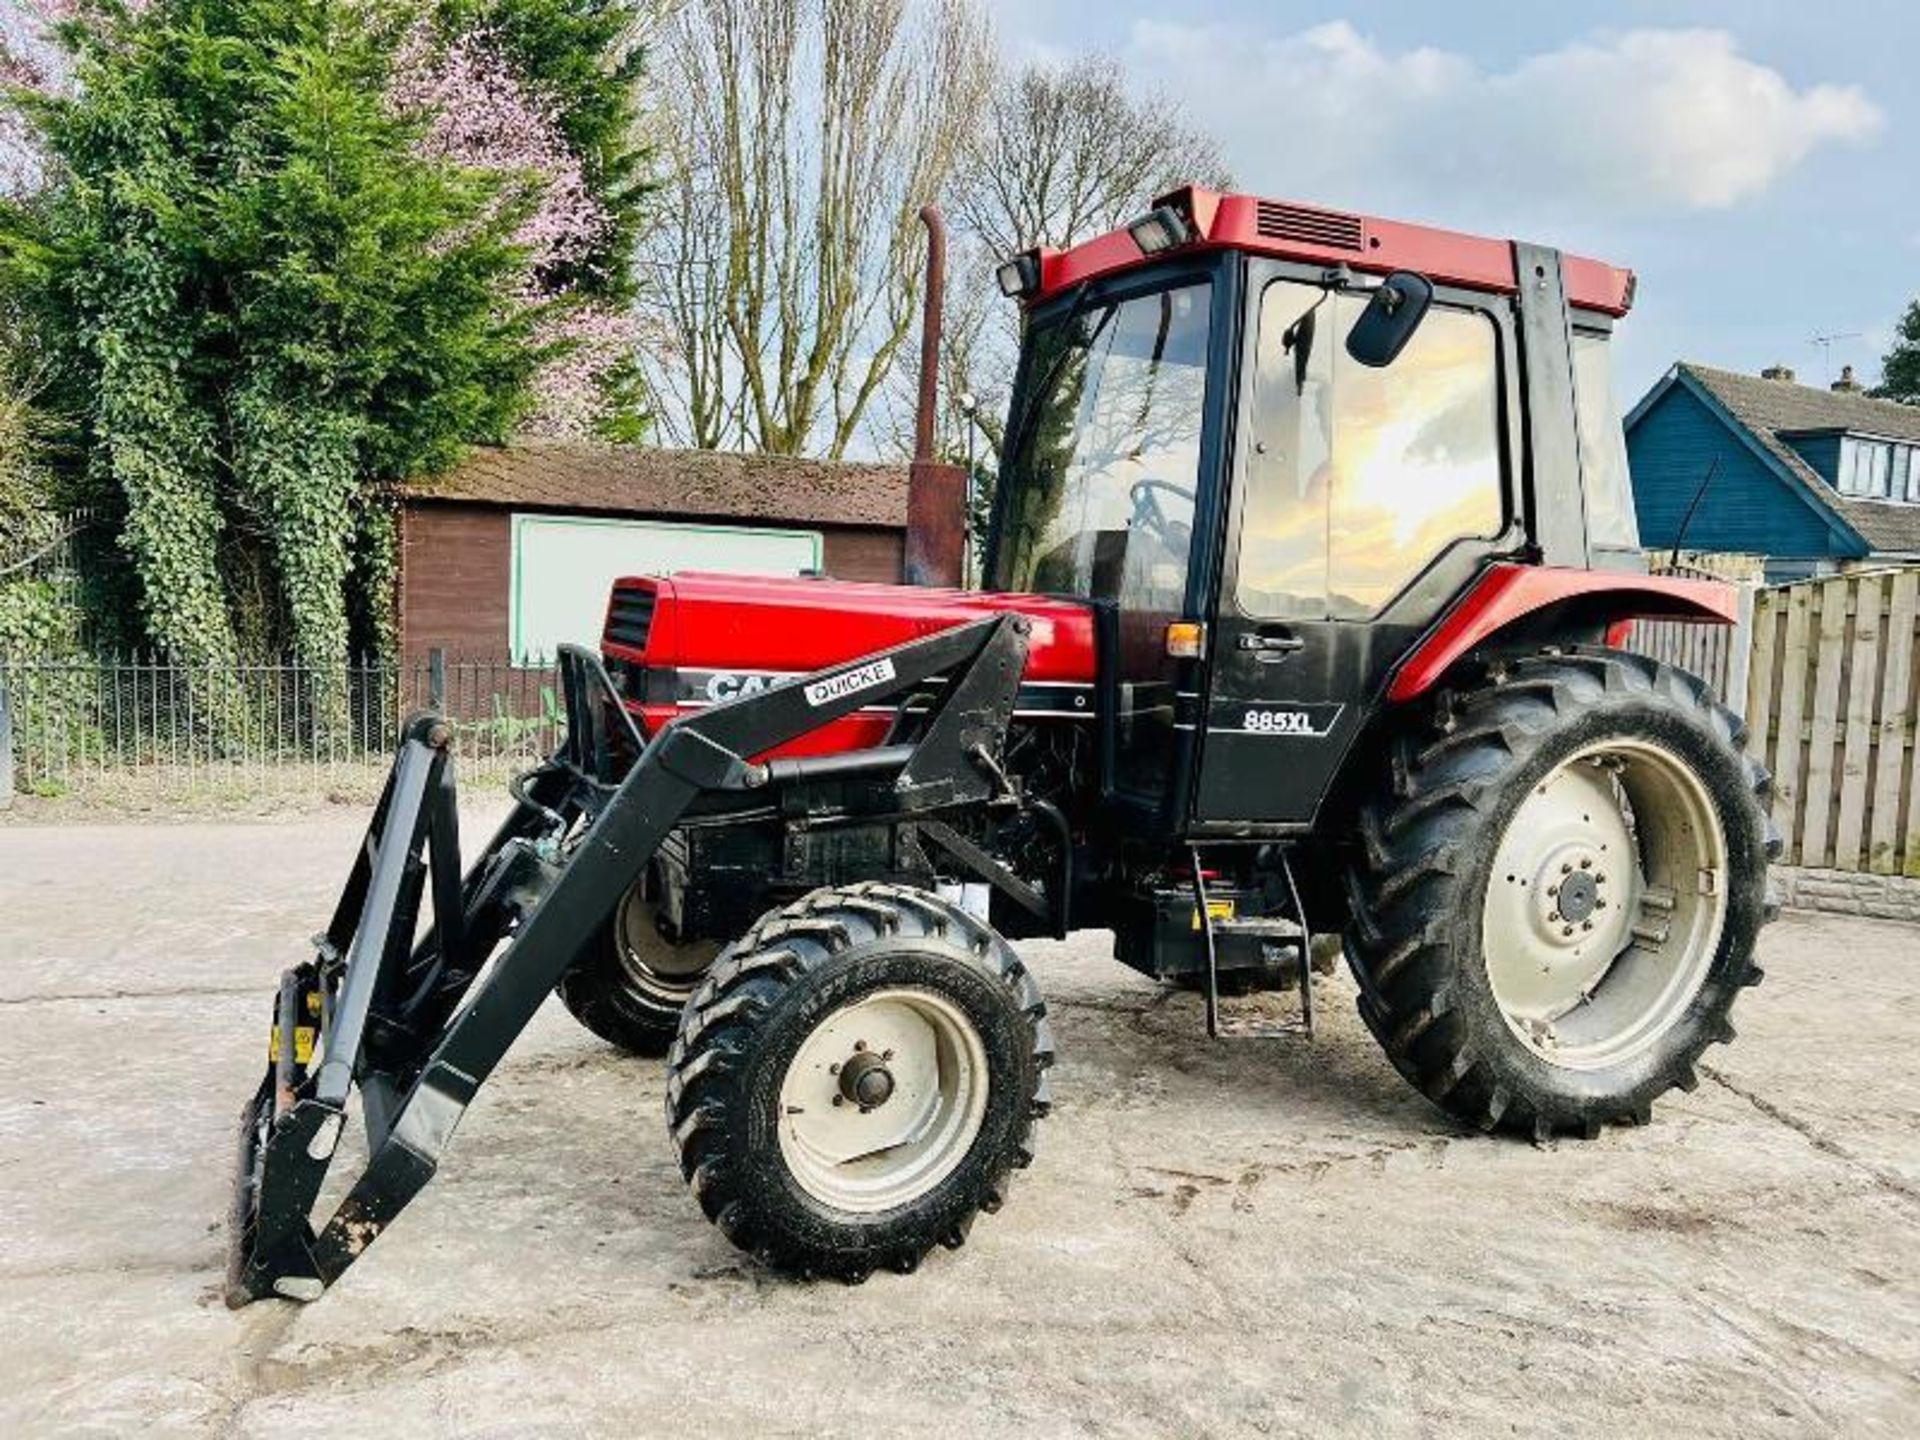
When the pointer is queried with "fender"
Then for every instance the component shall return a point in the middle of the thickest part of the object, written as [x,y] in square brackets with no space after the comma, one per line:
[1506,592]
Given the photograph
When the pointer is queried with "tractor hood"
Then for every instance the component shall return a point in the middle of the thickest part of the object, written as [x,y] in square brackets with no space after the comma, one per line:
[683,641]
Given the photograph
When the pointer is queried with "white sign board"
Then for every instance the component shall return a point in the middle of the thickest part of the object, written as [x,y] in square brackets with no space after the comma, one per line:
[564,568]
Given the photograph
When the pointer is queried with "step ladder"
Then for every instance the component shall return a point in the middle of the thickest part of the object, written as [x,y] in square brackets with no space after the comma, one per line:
[1285,931]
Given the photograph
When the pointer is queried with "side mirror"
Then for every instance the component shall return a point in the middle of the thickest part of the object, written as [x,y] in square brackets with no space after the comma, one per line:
[1394,311]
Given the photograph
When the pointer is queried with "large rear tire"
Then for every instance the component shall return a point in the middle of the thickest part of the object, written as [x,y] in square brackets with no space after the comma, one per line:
[857,1079]
[1561,888]
[633,982]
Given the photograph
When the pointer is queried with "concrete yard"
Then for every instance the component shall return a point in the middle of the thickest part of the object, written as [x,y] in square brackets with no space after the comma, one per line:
[1259,1237]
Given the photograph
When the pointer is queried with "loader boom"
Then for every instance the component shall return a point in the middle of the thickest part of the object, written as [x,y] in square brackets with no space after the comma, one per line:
[418,1028]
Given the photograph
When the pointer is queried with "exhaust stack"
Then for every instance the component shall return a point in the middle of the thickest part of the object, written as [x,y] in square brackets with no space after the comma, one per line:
[936,492]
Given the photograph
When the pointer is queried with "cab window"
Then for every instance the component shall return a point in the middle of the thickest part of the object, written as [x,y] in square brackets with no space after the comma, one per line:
[1611,522]
[1360,477]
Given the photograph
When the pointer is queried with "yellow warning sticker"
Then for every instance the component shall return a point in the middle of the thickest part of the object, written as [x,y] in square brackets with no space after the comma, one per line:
[303,1038]
[1217,909]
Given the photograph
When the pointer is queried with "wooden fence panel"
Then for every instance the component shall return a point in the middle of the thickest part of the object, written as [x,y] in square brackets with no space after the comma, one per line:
[1831,699]
[1885,841]
[1790,718]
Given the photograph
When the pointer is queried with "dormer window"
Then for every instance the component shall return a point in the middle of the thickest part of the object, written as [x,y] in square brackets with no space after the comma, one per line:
[1878,469]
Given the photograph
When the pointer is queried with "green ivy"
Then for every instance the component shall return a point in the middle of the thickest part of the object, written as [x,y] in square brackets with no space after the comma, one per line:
[264,305]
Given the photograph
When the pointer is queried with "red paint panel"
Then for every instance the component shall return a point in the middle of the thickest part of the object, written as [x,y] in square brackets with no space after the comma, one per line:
[858,731]
[1506,592]
[1232,222]
[739,622]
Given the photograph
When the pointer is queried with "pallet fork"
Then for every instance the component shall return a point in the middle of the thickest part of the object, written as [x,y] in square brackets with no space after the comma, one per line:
[416,1026]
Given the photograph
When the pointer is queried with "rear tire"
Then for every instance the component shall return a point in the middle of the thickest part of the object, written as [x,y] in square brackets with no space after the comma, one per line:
[633,982]
[1492,970]
[878,984]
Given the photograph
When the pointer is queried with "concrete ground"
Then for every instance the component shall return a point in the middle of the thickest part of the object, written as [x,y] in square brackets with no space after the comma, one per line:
[1259,1237]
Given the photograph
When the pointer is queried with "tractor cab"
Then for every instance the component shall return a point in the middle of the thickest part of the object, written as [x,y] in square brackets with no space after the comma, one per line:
[1278,443]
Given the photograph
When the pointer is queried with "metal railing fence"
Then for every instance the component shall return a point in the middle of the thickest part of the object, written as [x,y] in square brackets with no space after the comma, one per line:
[131,727]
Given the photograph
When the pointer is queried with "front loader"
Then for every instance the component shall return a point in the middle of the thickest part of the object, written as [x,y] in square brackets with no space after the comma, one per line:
[1311,557]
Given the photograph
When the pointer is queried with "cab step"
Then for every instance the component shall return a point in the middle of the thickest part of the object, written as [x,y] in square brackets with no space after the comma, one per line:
[1250,1017]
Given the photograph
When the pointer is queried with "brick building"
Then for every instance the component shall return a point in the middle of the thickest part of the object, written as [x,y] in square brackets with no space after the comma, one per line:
[514,549]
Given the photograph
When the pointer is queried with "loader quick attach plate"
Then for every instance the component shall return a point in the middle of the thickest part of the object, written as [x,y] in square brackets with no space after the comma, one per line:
[413,1026]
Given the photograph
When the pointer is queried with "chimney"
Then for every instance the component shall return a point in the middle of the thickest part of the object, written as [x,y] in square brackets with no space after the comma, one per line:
[1783,373]
[1846,384]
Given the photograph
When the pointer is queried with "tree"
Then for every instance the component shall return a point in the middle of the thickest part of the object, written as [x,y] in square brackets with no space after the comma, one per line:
[260,298]
[543,92]
[1900,370]
[787,258]
[1067,152]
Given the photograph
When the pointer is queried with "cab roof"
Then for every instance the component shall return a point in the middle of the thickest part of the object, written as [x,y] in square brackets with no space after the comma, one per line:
[1291,231]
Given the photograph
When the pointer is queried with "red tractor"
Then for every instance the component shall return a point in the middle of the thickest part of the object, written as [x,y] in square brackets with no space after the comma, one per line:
[1311,554]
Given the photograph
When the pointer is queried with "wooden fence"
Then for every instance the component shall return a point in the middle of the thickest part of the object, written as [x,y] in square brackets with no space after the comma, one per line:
[1831,701]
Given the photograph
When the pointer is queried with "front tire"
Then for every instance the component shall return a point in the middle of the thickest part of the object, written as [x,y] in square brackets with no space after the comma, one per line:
[1560,892]
[857,1079]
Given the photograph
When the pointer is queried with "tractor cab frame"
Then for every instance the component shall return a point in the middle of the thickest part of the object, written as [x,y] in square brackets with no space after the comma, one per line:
[1191,444]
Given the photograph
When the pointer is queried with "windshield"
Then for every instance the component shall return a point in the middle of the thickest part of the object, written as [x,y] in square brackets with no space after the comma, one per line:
[1099,478]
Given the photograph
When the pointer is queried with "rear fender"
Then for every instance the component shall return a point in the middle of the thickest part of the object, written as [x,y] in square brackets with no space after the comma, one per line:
[1547,603]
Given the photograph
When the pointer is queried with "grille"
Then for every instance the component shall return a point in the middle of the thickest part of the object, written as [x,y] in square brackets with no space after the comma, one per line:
[1313,227]
[630,617]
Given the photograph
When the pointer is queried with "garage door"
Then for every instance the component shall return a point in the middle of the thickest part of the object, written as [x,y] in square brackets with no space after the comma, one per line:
[564,567]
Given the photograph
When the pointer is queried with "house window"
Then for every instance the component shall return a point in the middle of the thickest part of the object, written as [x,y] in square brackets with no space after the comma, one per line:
[1878,470]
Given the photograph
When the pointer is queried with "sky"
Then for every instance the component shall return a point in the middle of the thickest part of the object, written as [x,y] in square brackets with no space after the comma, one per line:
[1754,161]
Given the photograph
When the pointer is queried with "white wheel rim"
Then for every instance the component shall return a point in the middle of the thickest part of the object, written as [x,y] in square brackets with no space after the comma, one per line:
[657,967]
[867,1159]
[1605,904]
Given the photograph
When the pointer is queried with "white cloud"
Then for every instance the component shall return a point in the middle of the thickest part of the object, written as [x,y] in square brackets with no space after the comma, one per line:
[1634,121]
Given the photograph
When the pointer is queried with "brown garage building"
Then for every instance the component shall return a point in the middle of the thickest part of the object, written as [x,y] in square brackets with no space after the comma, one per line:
[512,550]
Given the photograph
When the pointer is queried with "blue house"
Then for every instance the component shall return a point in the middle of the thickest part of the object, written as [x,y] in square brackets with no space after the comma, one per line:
[1810,480]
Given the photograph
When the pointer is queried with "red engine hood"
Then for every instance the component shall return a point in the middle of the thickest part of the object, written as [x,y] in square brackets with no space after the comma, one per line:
[766,624]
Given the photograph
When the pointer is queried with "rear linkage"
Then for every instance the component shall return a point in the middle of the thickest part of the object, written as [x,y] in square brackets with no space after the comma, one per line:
[418,1027]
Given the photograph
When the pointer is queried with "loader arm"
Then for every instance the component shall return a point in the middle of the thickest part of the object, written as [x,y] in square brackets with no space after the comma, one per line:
[417,1028]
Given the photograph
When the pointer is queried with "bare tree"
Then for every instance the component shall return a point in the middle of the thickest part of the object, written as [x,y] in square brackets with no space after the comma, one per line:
[1063,153]
[786,260]
[1067,152]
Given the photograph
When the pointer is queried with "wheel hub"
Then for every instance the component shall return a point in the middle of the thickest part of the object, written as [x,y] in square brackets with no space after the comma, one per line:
[1578,895]
[865,1079]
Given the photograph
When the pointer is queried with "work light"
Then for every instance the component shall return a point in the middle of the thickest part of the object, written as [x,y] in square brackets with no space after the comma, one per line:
[1020,275]
[1161,228]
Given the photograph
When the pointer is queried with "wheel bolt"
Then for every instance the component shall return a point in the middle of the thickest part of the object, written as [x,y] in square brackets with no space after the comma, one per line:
[859,1045]
[1567,930]
[1600,904]
[1586,864]
[833,1069]
[839,1100]
[1552,890]
[1566,869]
[886,1054]
[1586,924]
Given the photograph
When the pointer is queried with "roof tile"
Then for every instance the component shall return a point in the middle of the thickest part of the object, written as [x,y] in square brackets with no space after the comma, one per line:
[629,479]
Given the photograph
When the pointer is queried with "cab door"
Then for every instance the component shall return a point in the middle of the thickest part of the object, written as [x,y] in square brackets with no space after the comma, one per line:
[1364,501]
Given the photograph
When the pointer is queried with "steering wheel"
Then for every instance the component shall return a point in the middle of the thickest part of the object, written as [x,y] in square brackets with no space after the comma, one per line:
[1147,514]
